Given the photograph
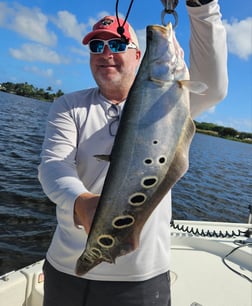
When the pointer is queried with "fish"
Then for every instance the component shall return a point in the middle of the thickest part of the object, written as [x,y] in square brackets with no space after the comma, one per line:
[150,152]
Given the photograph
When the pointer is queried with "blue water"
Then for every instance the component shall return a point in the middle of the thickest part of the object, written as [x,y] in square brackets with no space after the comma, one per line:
[217,187]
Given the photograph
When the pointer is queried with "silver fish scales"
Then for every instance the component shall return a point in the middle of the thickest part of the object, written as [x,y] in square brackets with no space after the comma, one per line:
[150,152]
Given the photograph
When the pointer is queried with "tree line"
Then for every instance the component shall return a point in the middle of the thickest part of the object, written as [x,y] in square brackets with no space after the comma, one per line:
[222,131]
[28,90]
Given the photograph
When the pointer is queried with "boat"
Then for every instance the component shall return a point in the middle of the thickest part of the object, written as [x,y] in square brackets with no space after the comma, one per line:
[211,266]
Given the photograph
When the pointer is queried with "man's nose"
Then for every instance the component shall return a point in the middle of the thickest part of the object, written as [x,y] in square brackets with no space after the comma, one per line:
[107,51]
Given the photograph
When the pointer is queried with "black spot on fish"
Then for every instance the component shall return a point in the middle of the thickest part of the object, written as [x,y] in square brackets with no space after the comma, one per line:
[123,221]
[162,160]
[148,161]
[106,241]
[149,182]
[137,199]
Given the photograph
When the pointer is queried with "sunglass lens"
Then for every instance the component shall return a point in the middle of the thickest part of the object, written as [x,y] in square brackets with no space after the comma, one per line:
[116,45]
[96,46]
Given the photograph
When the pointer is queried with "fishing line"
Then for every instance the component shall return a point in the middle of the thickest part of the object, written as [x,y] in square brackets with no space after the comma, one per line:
[120,29]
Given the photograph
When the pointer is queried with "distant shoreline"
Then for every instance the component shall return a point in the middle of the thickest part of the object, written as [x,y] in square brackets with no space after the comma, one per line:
[215,134]
[29,91]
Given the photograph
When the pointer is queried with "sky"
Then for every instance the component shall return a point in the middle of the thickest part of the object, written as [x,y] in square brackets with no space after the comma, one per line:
[41,45]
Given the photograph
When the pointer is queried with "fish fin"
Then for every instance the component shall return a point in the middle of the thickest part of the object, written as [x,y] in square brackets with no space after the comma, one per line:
[103,157]
[194,86]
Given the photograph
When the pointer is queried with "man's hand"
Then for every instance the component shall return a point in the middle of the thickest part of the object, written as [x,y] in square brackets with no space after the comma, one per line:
[84,210]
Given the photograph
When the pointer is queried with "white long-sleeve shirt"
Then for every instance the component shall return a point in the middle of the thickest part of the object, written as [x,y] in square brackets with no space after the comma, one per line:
[78,129]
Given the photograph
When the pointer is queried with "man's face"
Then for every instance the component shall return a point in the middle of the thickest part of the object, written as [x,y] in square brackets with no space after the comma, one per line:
[114,69]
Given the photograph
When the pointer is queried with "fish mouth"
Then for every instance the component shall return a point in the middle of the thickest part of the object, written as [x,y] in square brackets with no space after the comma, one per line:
[157,32]
[160,28]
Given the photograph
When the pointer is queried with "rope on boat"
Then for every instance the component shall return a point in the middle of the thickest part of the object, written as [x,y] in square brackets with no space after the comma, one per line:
[207,233]
[242,245]
[220,234]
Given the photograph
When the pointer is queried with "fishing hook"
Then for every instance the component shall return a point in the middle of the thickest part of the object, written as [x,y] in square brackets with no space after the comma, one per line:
[170,6]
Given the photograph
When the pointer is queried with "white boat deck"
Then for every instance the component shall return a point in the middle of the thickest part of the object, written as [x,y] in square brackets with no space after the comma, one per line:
[198,275]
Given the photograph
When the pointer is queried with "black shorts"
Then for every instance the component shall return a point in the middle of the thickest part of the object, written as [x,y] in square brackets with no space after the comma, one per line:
[61,289]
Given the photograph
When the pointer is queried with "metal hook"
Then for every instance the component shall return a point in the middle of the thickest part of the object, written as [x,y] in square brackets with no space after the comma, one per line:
[175,15]
[170,6]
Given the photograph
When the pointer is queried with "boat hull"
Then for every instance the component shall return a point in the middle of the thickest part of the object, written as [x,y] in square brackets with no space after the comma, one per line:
[198,273]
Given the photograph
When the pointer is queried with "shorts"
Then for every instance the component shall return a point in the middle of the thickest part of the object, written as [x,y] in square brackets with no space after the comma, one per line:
[61,289]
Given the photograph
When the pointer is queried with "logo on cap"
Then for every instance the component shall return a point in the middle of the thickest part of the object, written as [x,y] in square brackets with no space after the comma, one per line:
[107,22]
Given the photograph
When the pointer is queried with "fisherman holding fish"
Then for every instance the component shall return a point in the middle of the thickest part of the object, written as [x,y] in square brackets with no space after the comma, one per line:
[126,240]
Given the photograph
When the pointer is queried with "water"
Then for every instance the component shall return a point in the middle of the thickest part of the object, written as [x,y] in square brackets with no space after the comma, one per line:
[218,186]
[26,216]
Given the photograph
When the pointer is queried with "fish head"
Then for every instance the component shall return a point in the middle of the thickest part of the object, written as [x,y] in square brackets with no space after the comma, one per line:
[165,55]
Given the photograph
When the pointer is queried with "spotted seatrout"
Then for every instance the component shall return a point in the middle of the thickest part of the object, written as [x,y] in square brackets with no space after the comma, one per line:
[150,151]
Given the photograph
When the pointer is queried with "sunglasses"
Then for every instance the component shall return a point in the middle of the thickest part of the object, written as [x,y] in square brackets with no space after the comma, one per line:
[114,114]
[116,45]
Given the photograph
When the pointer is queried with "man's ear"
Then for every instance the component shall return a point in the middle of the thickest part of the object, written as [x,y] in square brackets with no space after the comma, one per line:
[138,54]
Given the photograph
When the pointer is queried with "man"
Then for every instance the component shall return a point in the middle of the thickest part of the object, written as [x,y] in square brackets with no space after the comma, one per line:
[83,124]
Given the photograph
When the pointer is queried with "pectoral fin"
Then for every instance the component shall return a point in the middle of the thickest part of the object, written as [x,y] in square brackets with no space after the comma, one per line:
[194,86]
[103,157]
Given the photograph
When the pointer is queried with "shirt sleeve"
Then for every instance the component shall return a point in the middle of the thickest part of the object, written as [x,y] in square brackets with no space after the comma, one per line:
[57,171]
[208,55]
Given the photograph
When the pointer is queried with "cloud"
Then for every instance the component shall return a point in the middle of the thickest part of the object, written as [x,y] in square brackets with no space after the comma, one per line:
[30,23]
[211,110]
[35,52]
[206,115]
[41,72]
[239,35]
[48,74]
[5,11]
[93,20]
[239,124]
[33,24]
[58,82]
[141,35]
[80,51]
[68,24]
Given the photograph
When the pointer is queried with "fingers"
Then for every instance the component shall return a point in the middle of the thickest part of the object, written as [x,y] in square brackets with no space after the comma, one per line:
[84,210]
